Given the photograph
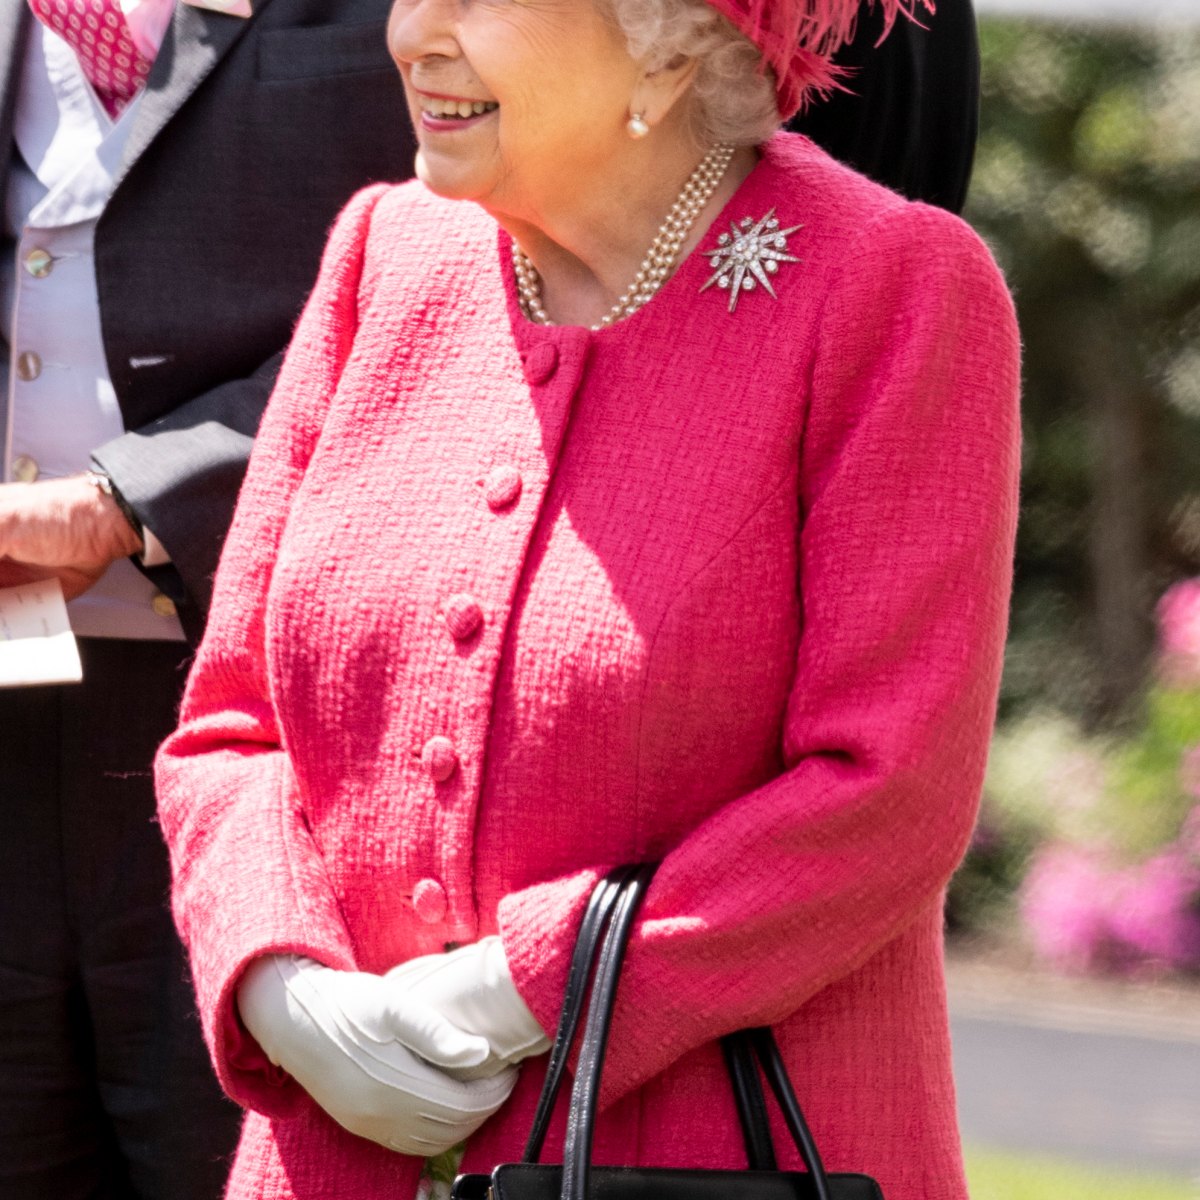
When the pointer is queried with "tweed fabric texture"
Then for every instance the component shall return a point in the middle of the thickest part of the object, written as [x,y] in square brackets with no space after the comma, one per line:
[743,581]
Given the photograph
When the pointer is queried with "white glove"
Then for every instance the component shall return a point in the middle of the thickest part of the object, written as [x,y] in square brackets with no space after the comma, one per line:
[473,990]
[335,1033]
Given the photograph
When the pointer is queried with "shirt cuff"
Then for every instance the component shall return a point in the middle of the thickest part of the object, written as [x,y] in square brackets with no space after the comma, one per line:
[154,553]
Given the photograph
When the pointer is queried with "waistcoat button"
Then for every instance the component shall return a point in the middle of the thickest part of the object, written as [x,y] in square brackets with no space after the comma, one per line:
[429,900]
[25,469]
[502,487]
[440,758]
[29,366]
[463,616]
[540,363]
[163,606]
[39,263]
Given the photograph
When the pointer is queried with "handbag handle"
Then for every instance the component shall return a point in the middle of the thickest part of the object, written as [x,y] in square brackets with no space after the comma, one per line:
[751,1104]
[773,1066]
[587,946]
[612,931]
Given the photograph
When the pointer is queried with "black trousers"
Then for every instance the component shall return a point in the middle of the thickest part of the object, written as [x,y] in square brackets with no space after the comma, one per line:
[106,1092]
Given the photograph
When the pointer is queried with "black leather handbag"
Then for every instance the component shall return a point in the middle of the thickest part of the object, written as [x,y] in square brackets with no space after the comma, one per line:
[599,952]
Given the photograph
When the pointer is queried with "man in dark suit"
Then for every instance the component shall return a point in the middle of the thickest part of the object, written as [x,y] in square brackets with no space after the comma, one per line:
[158,248]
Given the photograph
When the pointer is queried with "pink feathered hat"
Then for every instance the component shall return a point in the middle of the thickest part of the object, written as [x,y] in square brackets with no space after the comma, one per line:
[799,37]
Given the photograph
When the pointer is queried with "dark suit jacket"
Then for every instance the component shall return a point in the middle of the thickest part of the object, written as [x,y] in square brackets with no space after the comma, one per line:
[910,116]
[250,137]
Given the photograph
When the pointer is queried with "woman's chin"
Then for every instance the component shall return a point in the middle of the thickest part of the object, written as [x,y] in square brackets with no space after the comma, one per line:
[451,180]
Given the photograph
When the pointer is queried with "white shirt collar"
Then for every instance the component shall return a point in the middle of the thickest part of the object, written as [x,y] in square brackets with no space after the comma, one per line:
[67,139]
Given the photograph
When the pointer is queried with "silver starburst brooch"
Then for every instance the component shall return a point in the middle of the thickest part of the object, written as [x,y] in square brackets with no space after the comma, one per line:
[749,254]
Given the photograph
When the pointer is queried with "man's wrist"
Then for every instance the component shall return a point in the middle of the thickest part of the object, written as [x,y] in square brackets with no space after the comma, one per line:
[102,483]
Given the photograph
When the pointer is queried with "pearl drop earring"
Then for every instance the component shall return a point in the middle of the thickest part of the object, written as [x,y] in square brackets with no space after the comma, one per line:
[636,126]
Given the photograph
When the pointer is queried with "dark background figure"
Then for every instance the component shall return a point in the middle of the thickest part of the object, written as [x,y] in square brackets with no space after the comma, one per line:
[159,265]
[911,115]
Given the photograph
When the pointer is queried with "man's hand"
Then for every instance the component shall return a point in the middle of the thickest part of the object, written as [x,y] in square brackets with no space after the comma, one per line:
[64,529]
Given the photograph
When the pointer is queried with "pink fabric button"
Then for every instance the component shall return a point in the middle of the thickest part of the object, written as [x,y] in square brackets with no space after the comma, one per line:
[540,363]
[502,487]
[440,758]
[429,900]
[463,616]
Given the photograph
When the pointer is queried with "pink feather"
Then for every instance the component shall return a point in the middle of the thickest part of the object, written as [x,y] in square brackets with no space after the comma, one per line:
[799,37]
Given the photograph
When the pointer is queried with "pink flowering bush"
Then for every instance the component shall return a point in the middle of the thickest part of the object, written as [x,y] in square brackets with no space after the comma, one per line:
[1109,878]
[1085,912]
[1179,633]
[1064,907]
[1155,915]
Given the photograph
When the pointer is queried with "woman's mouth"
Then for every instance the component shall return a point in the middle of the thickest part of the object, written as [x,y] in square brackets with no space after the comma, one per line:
[449,112]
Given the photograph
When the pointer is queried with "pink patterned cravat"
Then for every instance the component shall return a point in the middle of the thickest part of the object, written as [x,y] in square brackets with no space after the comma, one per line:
[113,51]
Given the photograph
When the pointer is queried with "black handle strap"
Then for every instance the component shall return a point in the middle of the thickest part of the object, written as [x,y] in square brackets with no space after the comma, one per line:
[587,947]
[767,1049]
[751,1104]
[603,938]
[581,1119]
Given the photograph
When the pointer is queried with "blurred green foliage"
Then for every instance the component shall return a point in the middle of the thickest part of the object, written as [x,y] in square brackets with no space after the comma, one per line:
[1150,798]
[995,1176]
[1117,798]
[1051,781]
[1087,186]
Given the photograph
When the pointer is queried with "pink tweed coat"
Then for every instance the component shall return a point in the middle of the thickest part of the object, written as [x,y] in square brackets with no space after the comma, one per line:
[504,606]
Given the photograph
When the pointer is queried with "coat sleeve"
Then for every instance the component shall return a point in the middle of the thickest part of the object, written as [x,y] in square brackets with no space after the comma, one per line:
[181,475]
[908,481]
[247,879]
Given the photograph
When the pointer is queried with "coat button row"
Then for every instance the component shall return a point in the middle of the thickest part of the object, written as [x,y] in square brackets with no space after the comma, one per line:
[439,758]
[540,363]
[501,487]
[463,616]
[429,900]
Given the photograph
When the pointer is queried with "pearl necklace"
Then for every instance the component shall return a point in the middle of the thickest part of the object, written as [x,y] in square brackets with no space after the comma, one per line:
[660,258]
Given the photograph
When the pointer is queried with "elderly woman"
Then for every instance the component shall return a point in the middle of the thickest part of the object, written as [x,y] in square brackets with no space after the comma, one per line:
[657,504]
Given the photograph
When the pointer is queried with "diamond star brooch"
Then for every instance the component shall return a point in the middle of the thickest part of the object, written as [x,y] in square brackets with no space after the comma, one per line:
[749,254]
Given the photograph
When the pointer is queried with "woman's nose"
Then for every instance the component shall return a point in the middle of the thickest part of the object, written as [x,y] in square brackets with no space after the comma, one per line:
[422,28]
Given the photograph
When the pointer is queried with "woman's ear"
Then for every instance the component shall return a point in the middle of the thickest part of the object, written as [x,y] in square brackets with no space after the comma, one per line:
[661,88]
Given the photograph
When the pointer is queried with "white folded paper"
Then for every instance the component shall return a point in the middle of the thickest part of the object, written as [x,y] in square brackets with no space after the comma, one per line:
[36,642]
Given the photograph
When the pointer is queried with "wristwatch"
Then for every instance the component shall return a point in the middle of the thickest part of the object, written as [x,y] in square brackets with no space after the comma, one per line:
[98,479]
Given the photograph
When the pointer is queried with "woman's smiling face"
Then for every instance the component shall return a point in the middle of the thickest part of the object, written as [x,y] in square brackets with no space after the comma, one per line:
[517,104]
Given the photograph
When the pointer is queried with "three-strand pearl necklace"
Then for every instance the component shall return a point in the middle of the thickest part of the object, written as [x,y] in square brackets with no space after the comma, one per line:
[659,262]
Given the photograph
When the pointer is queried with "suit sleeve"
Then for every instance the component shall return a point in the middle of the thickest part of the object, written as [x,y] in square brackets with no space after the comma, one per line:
[247,879]
[181,476]
[908,480]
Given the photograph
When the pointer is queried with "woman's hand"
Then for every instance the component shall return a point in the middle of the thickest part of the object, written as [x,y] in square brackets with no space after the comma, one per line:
[473,990]
[378,1072]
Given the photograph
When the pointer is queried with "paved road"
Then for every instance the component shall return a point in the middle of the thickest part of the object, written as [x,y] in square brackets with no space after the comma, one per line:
[1091,10]
[1092,1095]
